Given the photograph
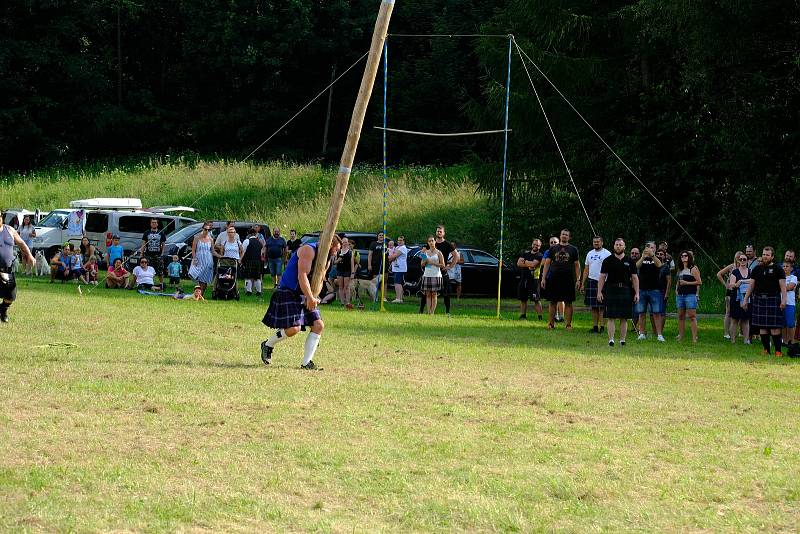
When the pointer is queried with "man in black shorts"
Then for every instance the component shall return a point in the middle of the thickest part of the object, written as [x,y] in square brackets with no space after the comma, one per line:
[8,285]
[529,262]
[618,290]
[561,278]
[152,248]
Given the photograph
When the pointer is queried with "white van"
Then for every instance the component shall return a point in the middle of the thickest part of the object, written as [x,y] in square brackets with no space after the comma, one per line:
[102,219]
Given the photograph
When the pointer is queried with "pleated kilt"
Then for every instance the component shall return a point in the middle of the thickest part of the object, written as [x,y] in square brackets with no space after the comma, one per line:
[432,283]
[286,309]
[618,302]
[252,269]
[590,295]
[767,312]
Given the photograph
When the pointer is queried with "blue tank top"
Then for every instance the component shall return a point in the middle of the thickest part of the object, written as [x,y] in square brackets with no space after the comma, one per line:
[289,277]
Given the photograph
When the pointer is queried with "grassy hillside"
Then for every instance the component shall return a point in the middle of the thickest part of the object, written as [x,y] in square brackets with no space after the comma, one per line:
[290,195]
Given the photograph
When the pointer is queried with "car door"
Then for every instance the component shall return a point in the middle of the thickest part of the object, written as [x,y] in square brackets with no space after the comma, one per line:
[479,272]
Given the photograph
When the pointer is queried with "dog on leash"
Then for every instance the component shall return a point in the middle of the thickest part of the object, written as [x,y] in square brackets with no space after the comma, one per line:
[41,268]
[358,286]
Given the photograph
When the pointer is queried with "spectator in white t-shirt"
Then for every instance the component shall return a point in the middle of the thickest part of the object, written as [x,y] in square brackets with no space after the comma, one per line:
[144,275]
[591,275]
[399,261]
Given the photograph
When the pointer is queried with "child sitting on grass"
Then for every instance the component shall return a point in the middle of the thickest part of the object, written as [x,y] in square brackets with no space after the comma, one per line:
[91,270]
[174,271]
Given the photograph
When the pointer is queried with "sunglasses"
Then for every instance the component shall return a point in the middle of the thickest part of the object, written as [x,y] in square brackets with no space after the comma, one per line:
[743,259]
[684,255]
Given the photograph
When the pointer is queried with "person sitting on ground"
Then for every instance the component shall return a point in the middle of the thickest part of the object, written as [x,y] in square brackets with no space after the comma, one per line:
[91,270]
[61,264]
[144,275]
[174,271]
[118,277]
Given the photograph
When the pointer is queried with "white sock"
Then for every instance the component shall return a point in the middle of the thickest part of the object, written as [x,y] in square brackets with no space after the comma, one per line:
[277,337]
[248,285]
[312,342]
[258,286]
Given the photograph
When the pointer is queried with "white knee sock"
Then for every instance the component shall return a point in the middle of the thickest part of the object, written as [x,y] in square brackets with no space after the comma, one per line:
[248,285]
[258,286]
[312,342]
[277,337]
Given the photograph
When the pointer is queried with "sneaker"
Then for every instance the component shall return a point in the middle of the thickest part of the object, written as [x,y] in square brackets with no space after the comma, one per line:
[248,293]
[4,315]
[595,330]
[726,336]
[778,353]
[550,326]
[641,337]
[266,353]
[397,301]
[610,342]
[621,342]
[559,319]
[311,366]
[349,305]
[523,317]
[540,317]
[661,339]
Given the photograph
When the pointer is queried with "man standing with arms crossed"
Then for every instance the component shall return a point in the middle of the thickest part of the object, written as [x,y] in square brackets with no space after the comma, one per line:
[591,275]
[561,277]
[618,289]
[8,285]
[529,263]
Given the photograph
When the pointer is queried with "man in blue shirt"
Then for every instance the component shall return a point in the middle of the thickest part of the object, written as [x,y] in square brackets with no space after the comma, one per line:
[276,248]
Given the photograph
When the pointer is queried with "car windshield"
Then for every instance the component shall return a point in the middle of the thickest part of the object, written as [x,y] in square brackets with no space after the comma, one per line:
[54,220]
[179,236]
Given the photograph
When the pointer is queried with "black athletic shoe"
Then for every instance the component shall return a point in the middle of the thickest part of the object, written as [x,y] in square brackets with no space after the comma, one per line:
[248,293]
[611,343]
[595,330]
[3,315]
[258,295]
[622,343]
[266,353]
[311,366]
[523,317]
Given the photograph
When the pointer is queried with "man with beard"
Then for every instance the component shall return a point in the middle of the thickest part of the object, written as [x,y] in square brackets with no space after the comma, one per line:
[618,289]
[591,274]
[561,277]
[768,289]
[529,263]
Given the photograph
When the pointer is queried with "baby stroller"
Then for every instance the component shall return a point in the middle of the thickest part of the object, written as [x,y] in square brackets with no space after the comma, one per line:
[225,280]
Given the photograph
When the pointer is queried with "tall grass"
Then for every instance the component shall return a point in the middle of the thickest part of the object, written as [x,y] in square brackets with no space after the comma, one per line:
[285,194]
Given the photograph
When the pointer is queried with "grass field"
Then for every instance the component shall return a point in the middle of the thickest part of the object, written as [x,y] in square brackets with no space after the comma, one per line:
[130,413]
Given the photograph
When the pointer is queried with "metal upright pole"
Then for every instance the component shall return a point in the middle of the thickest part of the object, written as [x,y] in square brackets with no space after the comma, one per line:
[385,173]
[505,174]
[353,136]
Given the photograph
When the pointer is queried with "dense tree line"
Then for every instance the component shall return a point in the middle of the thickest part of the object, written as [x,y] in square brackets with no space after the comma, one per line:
[701,99]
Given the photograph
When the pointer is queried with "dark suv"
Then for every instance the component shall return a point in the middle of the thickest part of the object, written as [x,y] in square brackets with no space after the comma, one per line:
[478,272]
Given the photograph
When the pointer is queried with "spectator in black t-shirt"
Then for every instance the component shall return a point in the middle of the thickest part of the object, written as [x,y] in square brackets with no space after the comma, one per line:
[561,277]
[618,289]
[529,263]
[650,296]
[293,243]
[376,259]
[768,289]
[152,248]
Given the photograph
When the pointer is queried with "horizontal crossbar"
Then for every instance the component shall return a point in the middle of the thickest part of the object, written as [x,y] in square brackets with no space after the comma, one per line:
[431,134]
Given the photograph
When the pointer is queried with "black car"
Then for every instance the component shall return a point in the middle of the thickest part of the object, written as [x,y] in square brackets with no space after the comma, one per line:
[360,241]
[180,242]
[478,272]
